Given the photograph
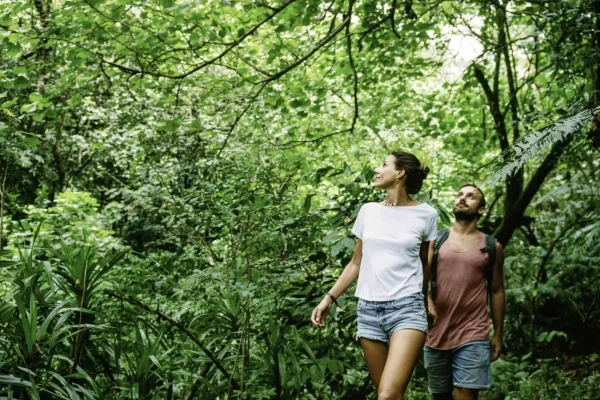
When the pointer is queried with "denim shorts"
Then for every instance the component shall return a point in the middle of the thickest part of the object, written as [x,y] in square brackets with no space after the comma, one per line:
[379,320]
[467,366]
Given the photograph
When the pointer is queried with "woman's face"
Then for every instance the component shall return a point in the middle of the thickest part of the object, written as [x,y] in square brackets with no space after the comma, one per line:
[386,174]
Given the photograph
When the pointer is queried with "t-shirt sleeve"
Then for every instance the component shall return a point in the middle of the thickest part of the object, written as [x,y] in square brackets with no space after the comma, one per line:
[359,224]
[431,230]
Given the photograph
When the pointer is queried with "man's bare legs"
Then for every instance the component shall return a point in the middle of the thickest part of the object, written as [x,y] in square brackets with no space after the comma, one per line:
[459,394]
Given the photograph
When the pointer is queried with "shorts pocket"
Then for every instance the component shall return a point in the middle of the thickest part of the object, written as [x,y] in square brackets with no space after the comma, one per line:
[360,305]
[413,304]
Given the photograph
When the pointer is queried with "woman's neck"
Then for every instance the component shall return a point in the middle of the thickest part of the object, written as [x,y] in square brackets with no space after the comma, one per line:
[397,195]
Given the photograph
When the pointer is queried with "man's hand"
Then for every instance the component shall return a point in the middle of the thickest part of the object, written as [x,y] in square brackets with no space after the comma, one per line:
[431,314]
[495,347]
[320,312]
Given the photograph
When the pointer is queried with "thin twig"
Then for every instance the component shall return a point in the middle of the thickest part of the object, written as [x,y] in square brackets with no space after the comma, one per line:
[239,117]
[296,143]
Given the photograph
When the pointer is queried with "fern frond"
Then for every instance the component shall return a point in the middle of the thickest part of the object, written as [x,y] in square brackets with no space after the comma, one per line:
[536,143]
[566,190]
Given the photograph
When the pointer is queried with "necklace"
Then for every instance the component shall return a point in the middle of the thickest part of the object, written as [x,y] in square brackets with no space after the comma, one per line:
[398,203]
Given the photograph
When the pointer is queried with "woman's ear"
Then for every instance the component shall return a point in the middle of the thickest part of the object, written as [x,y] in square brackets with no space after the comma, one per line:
[400,173]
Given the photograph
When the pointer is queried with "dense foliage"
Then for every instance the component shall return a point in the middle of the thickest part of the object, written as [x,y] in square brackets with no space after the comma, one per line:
[178,179]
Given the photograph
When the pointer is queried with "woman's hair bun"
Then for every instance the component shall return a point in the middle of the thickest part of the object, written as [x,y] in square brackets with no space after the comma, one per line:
[415,171]
[424,170]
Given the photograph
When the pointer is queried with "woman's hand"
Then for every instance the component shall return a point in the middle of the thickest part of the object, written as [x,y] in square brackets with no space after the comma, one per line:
[321,311]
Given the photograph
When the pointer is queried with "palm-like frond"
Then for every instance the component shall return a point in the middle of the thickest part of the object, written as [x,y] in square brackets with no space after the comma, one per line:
[82,268]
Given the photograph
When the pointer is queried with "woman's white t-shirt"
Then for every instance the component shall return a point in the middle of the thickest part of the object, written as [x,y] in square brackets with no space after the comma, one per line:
[391,267]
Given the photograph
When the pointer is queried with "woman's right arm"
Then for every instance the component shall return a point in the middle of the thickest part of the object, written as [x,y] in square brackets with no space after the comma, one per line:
[346,279]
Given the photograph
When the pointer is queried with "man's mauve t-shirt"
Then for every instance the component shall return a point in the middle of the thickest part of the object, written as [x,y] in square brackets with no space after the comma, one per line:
[461,300]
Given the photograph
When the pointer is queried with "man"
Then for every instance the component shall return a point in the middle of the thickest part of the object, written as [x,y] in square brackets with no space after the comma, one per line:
[458,350]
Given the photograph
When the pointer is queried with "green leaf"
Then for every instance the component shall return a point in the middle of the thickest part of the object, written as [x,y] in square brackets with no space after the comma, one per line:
[10,103]
[307,201]
[349,243]
[98,146]
[14,381]
[13,49]
[75,100]
[30,140]
[21,82]
[20,70]
[33,97]
[29,108]
[337,248]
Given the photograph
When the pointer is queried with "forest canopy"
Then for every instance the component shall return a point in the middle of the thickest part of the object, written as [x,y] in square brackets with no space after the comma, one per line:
[178,180]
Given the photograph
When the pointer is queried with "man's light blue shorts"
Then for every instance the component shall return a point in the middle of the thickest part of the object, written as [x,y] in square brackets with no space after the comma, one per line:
[467,366]
[379,320]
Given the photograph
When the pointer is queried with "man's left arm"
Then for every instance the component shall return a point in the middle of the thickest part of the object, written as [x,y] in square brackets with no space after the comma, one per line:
[498,302]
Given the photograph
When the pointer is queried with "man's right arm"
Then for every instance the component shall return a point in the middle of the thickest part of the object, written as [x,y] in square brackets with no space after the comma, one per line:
[429,304]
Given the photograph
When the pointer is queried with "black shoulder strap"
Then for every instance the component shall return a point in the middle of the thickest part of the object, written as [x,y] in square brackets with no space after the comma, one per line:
[490,247]
[442,235]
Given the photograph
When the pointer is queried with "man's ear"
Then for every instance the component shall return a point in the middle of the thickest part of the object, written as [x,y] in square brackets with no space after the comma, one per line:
[481,210]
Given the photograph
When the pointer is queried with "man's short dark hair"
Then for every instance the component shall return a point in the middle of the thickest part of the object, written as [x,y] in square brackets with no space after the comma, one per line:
[482,201]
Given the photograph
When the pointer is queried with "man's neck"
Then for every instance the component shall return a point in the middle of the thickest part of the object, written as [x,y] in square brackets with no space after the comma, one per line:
[465,228]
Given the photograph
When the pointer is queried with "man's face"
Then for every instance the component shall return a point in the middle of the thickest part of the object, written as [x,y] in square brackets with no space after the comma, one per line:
[466,204]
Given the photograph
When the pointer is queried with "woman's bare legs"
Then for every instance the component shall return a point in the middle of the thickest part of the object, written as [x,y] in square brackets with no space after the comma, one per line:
[391,366]
[376,353]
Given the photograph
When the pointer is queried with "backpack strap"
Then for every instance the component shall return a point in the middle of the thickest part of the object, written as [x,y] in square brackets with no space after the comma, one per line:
[442,235]
[490,248]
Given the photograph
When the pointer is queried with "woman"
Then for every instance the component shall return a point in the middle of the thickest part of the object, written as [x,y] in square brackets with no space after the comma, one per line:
[392,256]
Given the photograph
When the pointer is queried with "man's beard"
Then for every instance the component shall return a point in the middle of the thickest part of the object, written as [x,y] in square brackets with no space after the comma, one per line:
[465,214]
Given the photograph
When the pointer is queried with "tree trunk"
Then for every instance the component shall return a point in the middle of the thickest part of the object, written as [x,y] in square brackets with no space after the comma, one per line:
[596,65]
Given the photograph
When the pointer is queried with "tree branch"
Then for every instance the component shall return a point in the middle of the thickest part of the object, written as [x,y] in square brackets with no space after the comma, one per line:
[492,100]
[197,382]
[354,73]
[513,216]
[320,44]
[514,185]
[393,18]
[205,63]
[179,326]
